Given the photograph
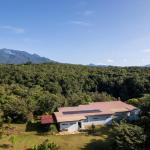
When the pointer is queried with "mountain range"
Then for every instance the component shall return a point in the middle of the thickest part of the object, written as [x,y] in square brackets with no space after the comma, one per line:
[93,65]
[9,56]
[148,65]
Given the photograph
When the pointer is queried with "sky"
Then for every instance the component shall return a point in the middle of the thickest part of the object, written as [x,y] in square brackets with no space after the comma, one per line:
[102,32]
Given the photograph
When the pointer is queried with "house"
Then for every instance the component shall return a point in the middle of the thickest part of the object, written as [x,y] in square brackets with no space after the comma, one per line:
[98,113]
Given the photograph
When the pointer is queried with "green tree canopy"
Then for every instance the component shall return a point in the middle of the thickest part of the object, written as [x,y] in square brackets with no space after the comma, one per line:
[128,137]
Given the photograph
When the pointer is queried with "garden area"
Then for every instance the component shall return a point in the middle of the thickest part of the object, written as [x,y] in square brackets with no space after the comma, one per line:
[18,139]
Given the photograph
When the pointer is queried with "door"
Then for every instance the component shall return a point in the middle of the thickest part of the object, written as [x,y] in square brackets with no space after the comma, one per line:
[79,125]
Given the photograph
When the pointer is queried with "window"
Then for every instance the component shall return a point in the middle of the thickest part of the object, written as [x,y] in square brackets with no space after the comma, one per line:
[72,123]
[95,118]
[64,124]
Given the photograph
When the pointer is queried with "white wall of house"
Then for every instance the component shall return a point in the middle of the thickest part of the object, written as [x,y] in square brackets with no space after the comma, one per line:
[96,120]
[74,126]
[69,126]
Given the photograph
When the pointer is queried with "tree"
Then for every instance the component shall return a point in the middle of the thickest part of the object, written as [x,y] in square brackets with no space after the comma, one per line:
[128,137]
[102,97]
[36,88]
[145,117]
[134,102]
[46,145]
[15,108]
[49,103]
[1,125]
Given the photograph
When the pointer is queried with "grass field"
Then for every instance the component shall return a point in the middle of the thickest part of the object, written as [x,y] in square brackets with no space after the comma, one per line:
[25,140]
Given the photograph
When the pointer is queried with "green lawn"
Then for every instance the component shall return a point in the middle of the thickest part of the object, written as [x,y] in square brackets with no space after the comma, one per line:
[26,140]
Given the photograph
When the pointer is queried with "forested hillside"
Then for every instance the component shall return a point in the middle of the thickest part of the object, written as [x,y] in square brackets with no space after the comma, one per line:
[37,89]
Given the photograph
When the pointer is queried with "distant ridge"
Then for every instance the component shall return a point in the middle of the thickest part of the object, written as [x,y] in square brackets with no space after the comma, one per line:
[147,65]
[10,56]
[103,66]
[93,65]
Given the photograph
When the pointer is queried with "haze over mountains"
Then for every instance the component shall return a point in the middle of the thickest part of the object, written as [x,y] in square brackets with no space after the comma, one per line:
[148,65]
[9,56]
[93,65]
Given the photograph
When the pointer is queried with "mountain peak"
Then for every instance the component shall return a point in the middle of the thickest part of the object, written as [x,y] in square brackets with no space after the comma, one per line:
[10,56]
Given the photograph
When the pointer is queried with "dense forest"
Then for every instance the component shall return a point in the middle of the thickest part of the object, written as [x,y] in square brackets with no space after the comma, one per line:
[37,89]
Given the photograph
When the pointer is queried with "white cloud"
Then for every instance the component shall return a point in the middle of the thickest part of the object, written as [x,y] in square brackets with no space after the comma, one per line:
[28,40]
[146,50]
[110,60]
[13,29]
[86,13]
[80,23]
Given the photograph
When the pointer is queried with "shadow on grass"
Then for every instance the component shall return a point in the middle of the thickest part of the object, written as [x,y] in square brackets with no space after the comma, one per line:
[97,145]
[101,131]
[104,143]
[5,146]
[42,134]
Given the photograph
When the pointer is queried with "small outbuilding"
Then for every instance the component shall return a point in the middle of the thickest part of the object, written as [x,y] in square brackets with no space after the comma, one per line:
[47,119]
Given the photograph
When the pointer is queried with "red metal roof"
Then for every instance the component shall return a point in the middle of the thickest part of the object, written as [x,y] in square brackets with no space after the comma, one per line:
[46,119]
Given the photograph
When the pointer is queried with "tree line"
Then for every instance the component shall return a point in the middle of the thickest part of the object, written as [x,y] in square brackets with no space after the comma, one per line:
[36,89]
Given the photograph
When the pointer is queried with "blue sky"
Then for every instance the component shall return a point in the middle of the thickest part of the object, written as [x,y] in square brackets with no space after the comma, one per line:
[114,32]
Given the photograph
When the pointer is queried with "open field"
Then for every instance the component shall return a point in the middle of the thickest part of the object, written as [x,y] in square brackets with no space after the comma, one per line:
[26,140]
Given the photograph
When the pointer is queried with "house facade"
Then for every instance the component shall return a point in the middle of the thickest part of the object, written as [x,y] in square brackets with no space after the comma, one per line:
[72,119]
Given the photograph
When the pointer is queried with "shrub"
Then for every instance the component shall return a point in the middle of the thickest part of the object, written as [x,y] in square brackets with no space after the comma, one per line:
[46,146]
[32,125]
[53,128]
[91,129]
[12,139]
